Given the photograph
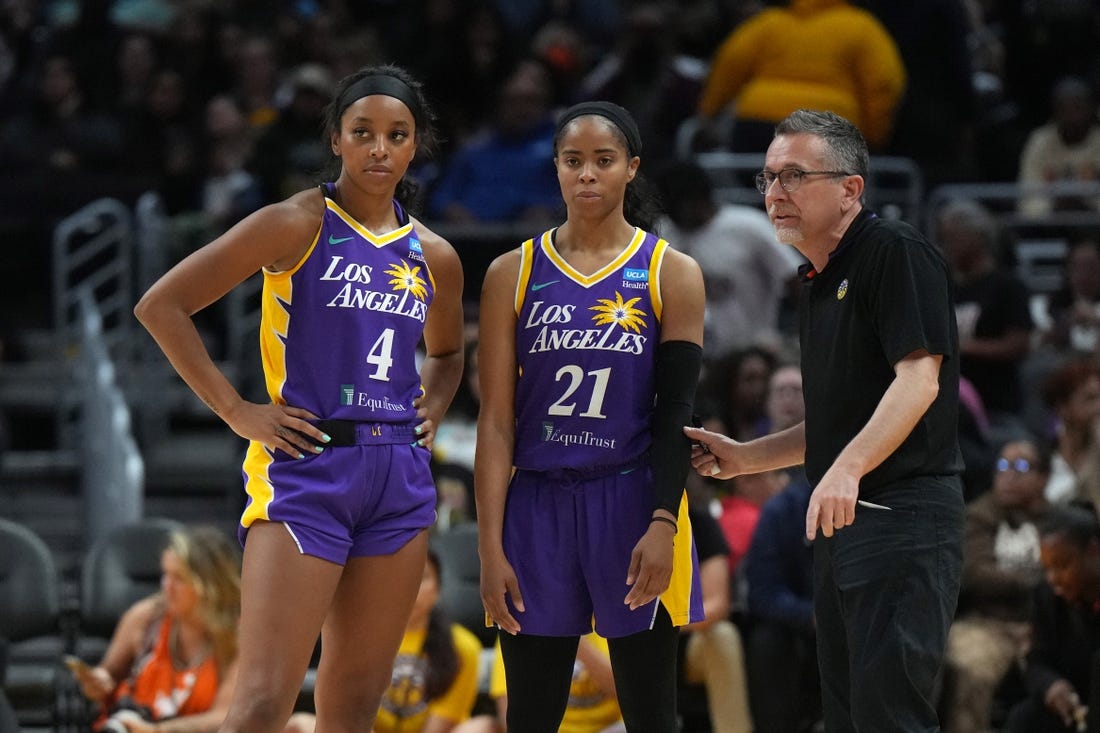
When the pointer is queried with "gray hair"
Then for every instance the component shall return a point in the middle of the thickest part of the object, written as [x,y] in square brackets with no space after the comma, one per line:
[845,147]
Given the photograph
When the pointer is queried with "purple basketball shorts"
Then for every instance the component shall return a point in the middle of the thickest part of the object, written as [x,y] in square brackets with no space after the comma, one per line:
[348,501]
[569,537]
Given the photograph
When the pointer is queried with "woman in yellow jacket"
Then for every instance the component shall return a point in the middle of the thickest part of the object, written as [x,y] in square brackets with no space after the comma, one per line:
[815,54]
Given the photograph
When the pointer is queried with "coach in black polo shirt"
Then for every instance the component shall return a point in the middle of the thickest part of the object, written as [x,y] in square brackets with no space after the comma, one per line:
[880,373]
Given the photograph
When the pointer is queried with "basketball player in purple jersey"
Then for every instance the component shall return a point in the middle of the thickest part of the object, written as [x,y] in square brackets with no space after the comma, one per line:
[590,349]
[339,491]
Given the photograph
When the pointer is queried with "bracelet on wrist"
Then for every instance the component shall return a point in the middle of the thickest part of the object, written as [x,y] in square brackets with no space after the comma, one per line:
[666,520]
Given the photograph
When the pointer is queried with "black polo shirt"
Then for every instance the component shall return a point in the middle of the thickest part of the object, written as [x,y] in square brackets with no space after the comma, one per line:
[884,293]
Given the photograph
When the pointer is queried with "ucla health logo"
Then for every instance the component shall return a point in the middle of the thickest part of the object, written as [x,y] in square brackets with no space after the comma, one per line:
[347,394]
[416,251]
[635,278]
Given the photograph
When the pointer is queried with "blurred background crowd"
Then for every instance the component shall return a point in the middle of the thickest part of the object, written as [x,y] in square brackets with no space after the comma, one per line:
[214,107]
[214,104]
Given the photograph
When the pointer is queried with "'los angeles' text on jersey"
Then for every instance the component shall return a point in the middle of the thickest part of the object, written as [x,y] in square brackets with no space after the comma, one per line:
[592,338]
[557,329]
[355,289]
[339,331]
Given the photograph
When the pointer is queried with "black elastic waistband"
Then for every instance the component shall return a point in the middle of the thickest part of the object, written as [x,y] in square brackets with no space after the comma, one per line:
[350,432]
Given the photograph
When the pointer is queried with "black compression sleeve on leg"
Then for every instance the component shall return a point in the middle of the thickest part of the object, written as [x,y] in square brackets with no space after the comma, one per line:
[677,374]
[644,665]
[538,671]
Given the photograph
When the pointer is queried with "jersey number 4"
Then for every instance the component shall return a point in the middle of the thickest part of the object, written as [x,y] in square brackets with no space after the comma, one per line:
[381,356]
[575,375]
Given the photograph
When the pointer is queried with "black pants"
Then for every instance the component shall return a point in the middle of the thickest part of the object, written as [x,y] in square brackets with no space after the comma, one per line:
[885,591]
[539,669]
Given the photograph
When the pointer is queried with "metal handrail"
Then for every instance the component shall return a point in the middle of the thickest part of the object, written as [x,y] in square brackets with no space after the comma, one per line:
[112,473]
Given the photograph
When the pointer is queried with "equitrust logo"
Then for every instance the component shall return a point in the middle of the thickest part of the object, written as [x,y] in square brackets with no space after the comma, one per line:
[347,394]
[585,438]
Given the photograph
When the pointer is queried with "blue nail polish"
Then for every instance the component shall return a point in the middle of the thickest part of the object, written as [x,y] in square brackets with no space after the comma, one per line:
[418,430]
[326,438]
[318,448]
[420,443]
[301,455]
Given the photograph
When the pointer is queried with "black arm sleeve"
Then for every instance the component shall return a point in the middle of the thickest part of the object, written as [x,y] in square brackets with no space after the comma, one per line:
[678,366]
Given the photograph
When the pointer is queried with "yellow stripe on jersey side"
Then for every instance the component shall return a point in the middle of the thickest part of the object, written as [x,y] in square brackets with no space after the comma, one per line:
[258,484]
[677,598]
[274,325]
[526,260]
[590,280]
[275,322]
[655,263]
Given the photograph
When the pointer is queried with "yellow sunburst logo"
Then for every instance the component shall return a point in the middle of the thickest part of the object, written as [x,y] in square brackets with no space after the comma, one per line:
[408,279]
[617,312]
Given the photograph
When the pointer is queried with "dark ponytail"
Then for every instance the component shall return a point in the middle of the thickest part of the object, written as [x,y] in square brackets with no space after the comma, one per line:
[641,203]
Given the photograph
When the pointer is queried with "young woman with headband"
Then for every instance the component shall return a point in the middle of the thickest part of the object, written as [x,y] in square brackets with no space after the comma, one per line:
[339,491]
[590,349]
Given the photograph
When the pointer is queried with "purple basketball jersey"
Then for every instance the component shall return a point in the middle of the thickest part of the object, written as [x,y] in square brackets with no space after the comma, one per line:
[585,351]
[339,331]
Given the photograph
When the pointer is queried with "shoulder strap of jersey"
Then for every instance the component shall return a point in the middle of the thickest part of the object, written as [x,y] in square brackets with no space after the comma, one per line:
[526,262]
[656,259]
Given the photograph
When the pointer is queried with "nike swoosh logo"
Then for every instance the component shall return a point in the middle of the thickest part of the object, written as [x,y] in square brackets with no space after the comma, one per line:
[337,240]
[540,286]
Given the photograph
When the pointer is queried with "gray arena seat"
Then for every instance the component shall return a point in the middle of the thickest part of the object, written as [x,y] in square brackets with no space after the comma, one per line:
[30,625]
[121,567]
[460,579]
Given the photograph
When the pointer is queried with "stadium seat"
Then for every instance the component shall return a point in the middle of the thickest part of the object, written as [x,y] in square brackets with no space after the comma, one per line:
[30,622]
[121,567]
[460,580]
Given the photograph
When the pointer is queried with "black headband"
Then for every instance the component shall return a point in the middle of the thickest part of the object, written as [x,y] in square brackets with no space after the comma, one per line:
[389,86]
[608,110]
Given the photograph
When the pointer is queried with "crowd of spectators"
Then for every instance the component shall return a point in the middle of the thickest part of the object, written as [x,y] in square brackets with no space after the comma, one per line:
[214,105]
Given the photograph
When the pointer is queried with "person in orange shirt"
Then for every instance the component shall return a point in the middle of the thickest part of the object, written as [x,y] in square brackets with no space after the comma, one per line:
[171,665]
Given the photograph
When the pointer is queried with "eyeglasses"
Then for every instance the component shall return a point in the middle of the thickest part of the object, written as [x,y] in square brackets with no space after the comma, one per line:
[1020,465]
[789,178]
